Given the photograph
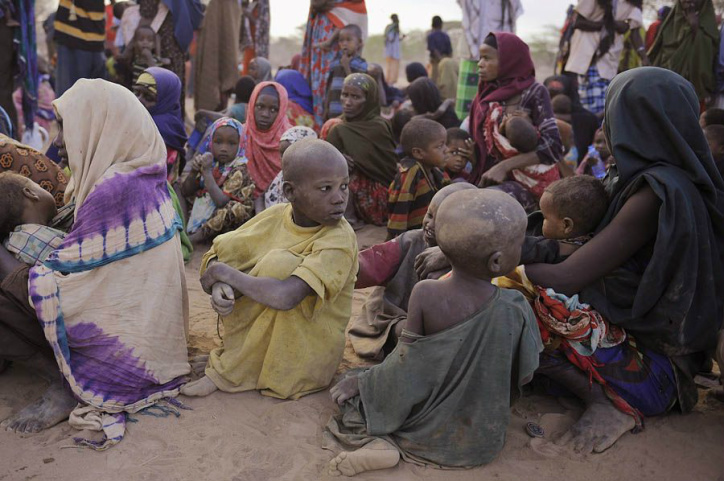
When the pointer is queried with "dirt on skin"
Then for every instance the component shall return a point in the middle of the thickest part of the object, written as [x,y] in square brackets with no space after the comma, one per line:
[248,437]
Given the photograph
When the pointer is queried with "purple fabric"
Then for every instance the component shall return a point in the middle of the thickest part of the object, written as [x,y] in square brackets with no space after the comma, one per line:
[103,364]
[187,16]
[167,111]
[297,88]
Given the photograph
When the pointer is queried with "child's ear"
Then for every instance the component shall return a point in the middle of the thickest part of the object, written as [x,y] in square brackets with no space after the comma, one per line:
[495,263]
[568,225]
[288,189]
[416,153]
[29,194]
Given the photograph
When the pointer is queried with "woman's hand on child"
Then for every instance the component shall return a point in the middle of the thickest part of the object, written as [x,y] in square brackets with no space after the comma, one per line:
[496,175]
[222,298]
[429,261]
[345,389]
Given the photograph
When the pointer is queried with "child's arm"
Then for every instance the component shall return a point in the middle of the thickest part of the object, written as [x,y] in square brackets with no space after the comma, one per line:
[415,322]
[217,195]
[378,264]
[282,295]
[192,182]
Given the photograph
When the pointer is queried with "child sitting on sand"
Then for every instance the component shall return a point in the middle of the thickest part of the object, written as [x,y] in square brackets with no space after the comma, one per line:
[283,284]
[418,177]
[26,211]
[391,267]
[443,396]
[219,183]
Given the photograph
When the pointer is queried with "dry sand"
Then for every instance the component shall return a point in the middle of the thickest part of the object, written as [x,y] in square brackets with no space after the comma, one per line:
[247,437]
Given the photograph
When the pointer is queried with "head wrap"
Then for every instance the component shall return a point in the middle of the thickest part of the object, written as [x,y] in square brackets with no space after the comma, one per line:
[262,148]
[297,88]
[208,144]
[297,133]
[264,68]
[166,112]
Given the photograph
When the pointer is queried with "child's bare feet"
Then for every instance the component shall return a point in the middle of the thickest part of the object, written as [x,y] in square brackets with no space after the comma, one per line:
[198,364]
[345,389]
[199,388]
[379,454]
[52,408]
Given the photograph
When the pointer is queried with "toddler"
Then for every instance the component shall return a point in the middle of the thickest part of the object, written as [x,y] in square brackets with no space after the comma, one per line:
[347,61]
[460,155]
[596,162]
[419,175]
[443,396]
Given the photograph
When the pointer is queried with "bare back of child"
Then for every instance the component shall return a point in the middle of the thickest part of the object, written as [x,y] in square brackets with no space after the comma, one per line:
[458,328]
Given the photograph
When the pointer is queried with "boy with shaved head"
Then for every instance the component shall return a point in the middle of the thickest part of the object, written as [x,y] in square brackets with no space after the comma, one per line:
[283,284]
[443,396]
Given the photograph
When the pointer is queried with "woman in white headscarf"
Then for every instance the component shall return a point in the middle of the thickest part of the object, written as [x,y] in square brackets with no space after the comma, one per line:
[111,299]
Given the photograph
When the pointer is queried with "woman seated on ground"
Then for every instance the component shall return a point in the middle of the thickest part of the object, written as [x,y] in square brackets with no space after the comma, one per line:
[427,101]
[123,295]
[653,266]
[366,137]
[300,110]
[508,87]
[264,129]
[159,90]
[219,186]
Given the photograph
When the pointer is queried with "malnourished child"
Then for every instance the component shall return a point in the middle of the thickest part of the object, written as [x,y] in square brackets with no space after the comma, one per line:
[443,396]
[283,284]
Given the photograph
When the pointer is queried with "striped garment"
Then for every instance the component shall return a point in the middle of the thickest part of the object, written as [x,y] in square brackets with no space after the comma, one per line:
[467,87]
[81,24]
[410,194]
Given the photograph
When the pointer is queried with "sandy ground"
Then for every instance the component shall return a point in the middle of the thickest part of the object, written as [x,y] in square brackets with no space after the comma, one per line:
[247,437]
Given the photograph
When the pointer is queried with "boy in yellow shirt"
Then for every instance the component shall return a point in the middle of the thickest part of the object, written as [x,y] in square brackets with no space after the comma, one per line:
[283,284]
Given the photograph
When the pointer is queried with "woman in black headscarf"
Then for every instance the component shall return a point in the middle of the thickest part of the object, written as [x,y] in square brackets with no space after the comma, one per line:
[583,122]
[654,265]
[426,100]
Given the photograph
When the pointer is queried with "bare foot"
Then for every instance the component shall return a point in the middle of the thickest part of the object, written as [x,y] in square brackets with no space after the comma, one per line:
[378,454]
[598,429]
[198,364]
[52,408]
[345,389]
[199,388]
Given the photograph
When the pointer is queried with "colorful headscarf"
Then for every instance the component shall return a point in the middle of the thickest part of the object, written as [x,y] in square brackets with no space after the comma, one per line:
[297,133]
[167,112]
[297,88]
[208,145]
[262,148]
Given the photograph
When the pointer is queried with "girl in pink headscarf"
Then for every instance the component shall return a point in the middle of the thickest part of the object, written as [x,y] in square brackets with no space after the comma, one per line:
[264,128]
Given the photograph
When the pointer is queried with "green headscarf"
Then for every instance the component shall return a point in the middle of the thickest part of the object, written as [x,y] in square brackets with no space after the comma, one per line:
[690,54]
[367,138]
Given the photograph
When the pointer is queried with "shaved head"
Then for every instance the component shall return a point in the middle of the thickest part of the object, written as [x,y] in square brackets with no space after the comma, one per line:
[306,157]
[448,190]
[481,231]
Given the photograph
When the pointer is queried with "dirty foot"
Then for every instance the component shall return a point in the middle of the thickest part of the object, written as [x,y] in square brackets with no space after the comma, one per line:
[598,429]
[198,364]
[378,454]
[54,407]
[202,387]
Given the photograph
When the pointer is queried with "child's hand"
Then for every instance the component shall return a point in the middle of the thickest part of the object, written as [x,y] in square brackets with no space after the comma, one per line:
[214,273]
[147,56]
[222,298]
[345,389]
[345,61]
[206,162]
[467,152]
[430,260]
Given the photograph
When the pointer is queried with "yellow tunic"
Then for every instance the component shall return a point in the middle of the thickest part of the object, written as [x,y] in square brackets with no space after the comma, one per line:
[285,354]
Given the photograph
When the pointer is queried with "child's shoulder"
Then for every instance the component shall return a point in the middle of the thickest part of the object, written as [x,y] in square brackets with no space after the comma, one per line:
[513,300]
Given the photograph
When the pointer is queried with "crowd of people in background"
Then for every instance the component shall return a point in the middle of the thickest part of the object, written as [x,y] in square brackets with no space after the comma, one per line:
[277,165]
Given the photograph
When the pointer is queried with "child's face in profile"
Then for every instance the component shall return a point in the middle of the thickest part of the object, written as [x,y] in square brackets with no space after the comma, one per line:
[145,96]
[145,38]
[225,144]
[349,43]
[554,227]
[455,161]
[266,110]
[434,154]
[321,197]
[599,143]
[353,101]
